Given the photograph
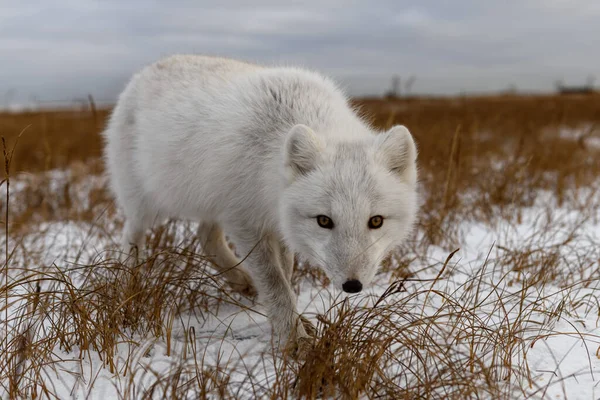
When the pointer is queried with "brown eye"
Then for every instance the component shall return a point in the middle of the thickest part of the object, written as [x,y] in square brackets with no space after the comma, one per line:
[325,222]
[375,222]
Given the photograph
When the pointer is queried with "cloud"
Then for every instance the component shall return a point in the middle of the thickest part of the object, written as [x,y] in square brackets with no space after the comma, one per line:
[68,48]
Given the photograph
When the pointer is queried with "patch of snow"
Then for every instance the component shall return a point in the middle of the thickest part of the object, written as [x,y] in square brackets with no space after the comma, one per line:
[564,363]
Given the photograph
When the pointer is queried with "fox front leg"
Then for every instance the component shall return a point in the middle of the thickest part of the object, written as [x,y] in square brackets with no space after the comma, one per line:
[264,260]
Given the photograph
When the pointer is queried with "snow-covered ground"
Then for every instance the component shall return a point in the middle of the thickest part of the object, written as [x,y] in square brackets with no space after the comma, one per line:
[555,342]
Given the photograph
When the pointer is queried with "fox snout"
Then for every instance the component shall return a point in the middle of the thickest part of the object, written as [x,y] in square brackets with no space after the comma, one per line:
[352,286]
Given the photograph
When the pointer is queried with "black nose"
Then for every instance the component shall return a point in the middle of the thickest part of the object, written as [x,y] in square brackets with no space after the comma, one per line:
[352,286]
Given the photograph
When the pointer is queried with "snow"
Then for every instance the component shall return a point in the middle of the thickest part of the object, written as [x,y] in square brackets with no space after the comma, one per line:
[564,362]
[588,134]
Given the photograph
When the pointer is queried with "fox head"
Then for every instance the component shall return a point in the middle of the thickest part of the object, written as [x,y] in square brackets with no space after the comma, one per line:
[347,204]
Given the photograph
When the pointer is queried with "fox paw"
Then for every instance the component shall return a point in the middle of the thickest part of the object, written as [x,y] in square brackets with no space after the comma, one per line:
[308,327]
[301,342]
[242,283]
[300,347]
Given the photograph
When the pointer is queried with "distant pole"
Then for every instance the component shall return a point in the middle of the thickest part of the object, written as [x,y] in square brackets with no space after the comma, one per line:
[93,108]
[396,86]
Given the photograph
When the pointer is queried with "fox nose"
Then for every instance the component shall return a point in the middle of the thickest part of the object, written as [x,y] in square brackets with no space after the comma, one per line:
[352,286]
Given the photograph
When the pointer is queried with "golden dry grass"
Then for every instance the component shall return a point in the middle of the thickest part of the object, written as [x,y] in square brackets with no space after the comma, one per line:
[482,160]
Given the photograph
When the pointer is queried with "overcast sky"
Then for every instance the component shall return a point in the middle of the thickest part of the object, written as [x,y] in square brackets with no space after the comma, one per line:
[59,50]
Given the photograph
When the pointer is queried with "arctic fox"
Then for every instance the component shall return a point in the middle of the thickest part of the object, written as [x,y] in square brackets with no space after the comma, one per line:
[276,158]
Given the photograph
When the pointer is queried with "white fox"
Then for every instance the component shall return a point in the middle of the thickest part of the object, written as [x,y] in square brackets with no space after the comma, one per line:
[274,157]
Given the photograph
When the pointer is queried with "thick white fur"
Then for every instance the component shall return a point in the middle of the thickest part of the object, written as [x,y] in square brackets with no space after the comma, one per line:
[259,153]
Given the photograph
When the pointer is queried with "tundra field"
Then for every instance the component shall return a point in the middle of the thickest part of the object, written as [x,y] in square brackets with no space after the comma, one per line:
[495,295]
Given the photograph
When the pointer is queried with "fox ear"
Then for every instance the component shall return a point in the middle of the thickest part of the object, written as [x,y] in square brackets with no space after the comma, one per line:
[302,150]
[397,150]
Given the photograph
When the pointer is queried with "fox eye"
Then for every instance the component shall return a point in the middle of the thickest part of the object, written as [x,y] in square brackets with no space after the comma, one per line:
[324,222]
[375,222]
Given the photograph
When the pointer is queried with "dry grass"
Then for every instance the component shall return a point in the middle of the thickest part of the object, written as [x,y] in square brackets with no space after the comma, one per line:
[442,329]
